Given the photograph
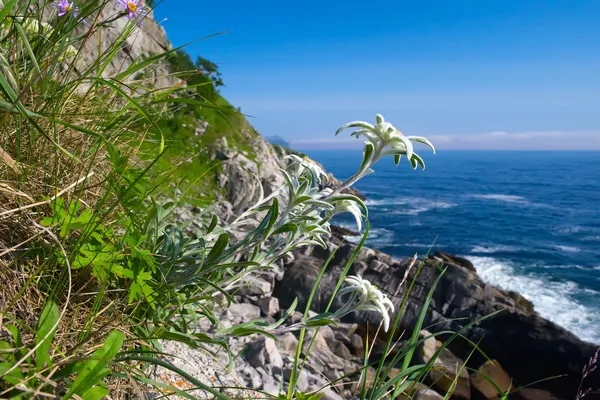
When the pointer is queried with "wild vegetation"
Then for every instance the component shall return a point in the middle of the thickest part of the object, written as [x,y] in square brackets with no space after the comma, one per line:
[93,270]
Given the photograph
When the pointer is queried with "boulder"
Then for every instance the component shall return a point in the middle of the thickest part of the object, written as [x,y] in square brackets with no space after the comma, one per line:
[288,343]
[320,355]
[358,345]
[269,306]
[447,368]
[427,394]
[302,383]
[342,351]
[492,370]
[263,353]
[243,312]
[452,259]
[330,394]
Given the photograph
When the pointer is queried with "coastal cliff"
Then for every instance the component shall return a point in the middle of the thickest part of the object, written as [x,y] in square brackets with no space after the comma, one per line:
[223,166]
[527,347]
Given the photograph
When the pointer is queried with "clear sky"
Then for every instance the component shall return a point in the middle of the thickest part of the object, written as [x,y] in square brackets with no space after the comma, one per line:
[518,74]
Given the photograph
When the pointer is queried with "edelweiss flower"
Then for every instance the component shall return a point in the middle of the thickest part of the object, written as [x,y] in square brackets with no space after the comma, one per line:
[387,140]
[66,7]
[134,7]
[306,164]
[370,298]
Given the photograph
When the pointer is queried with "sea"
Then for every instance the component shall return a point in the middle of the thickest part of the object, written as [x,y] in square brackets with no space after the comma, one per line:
[529,221]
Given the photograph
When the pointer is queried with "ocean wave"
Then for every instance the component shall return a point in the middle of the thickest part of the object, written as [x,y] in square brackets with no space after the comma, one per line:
[380,237]
[591,238]
[568,249]
[556,301]
[408,205]
[570,229]
[508,198]
[491,249]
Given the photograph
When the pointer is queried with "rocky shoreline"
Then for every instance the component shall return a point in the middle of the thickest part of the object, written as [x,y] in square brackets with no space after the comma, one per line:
[525,347]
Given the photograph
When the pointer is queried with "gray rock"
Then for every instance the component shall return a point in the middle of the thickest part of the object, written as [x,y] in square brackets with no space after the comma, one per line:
[263,353]
[357,345]
[243,312]
[342,337]
[320,354]
[302,384]
[332,374]
[288,343]
[269,306]
[428,394]
[330,394]
[447,368]
[342,351]
[198,364]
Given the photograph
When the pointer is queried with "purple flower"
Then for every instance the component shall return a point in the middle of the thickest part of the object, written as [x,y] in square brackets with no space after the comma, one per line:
[66,7]
[134,8]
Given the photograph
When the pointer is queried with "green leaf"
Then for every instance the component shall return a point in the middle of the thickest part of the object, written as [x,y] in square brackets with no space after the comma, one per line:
[94,369]
[312,323]
[7,8]
[218,248]
[45,331]
[14,377]
[95,393]
[367,155]
[272,217]
[213,224]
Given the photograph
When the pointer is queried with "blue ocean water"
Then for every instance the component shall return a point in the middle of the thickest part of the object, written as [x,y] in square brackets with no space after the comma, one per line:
[529,221]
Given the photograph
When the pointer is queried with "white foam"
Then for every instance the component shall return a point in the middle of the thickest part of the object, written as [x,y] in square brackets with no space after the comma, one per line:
[491,249]
[556,301]
[502,197]
[591,238]
[412,205]
[568,249]
[380,237]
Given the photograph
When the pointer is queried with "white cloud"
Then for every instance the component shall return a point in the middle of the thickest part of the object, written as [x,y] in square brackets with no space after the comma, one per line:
[497,140]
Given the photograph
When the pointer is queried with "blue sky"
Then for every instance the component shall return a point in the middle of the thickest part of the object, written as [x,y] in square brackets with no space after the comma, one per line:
[502,74]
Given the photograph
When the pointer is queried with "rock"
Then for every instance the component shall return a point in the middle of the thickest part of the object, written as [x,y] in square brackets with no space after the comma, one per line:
[332,374]
[269,306]
[428,394]
[446,368]
[288,343]
[460,261]
[412,391]
[342,351]
[341,337]
[515,333]
[320,354]
[302,383]
[251,377]
[259,286]
[243,312]
[198,364]
[494,371]
[358,345]
[330,394]
[263,353]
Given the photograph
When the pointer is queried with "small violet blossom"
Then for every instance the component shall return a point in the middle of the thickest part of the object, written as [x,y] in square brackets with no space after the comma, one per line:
[134,7]
[66,7]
